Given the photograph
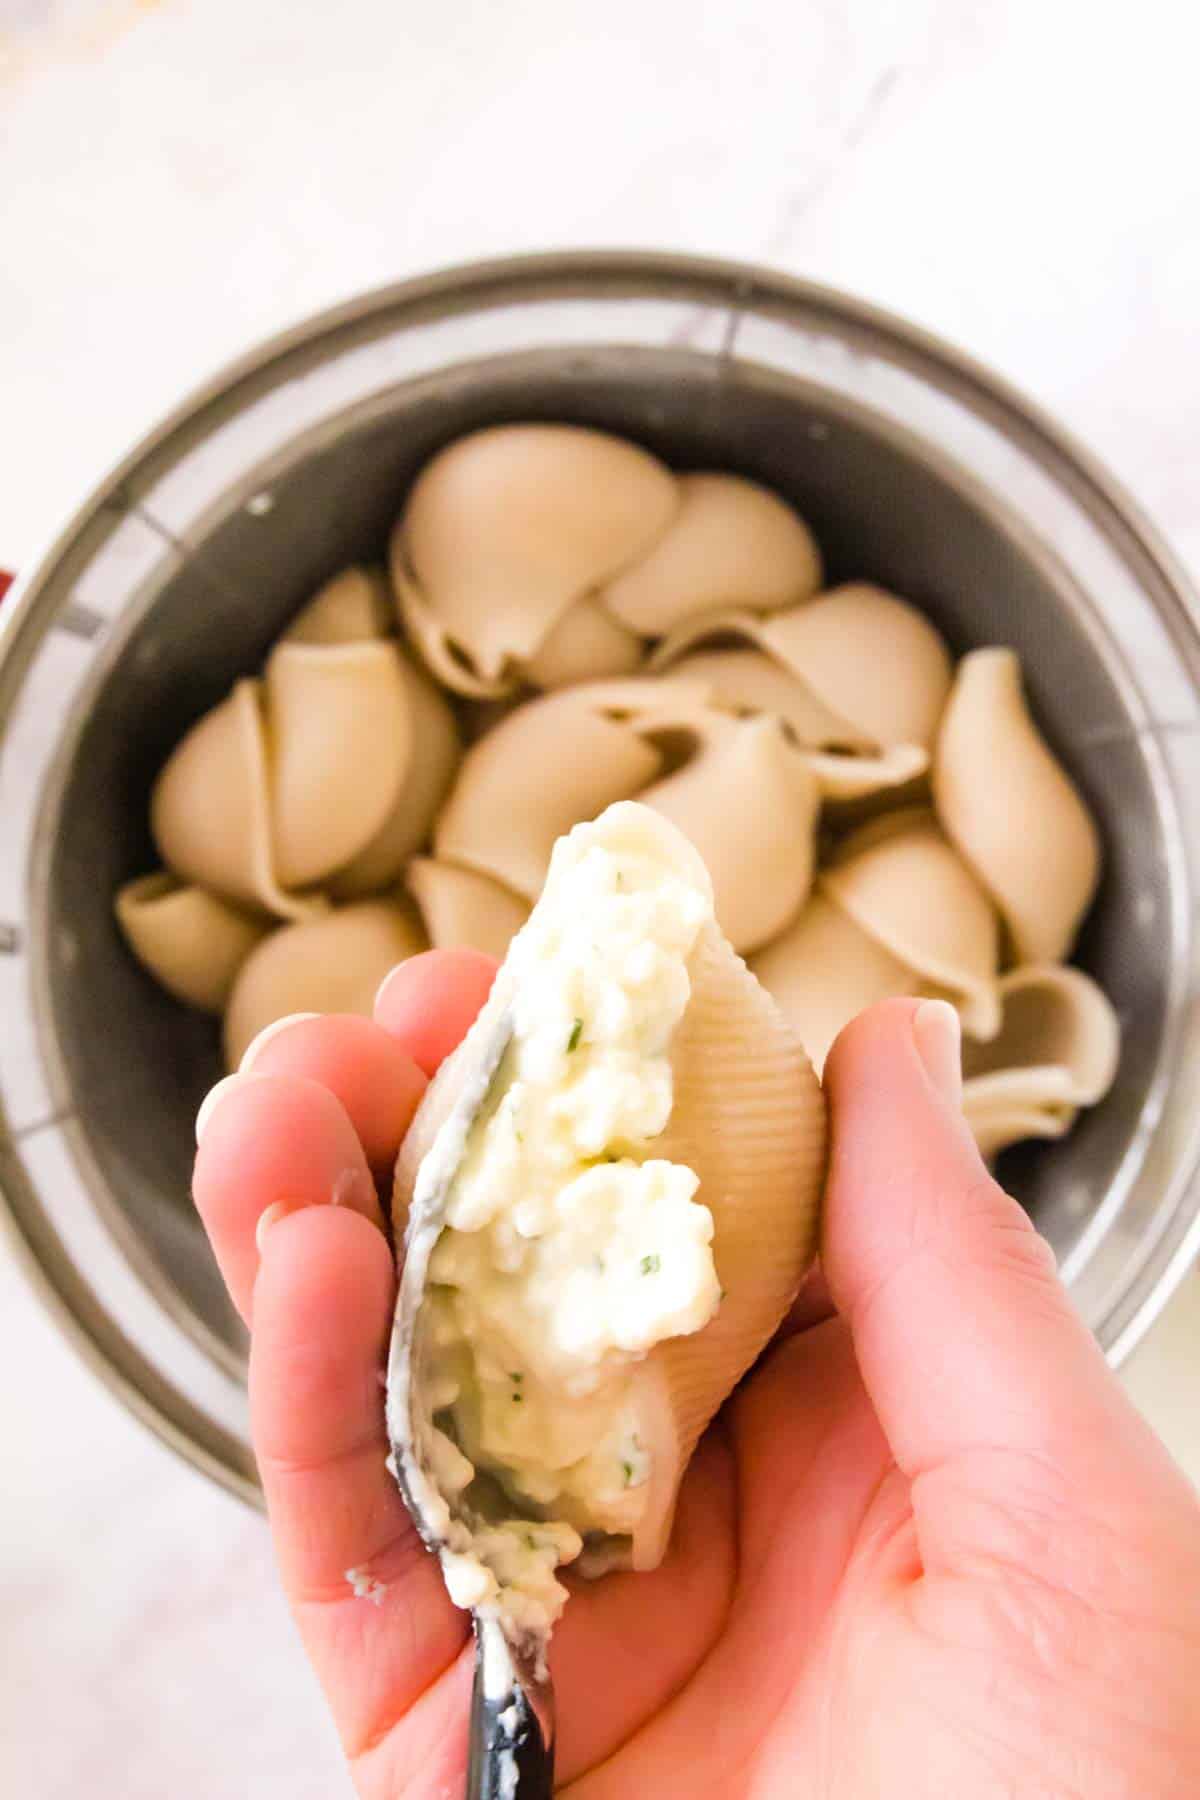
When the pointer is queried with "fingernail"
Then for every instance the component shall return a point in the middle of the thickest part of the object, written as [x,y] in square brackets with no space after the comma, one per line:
[381,990]
[342,1193]
[212,1100]
[343,1190]
[271,1216]
[937,1033]
[257,1045]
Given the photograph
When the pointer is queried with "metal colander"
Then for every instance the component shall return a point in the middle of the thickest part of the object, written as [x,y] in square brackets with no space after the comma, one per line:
[916,470]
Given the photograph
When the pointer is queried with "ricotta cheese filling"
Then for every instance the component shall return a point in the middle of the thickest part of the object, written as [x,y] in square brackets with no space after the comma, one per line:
[569,1250]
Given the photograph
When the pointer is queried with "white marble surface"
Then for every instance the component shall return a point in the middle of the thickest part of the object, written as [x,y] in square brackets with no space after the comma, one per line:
[179,177]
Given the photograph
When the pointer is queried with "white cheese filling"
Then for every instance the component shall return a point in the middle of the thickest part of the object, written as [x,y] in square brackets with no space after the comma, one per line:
[569,1251]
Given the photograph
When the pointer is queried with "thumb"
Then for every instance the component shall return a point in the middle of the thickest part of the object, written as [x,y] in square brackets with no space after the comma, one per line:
[969,1347]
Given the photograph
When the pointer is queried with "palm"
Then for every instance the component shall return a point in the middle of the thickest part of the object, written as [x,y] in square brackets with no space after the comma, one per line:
[714,1662]
[803,1647]
[981,1577]
[693,1676]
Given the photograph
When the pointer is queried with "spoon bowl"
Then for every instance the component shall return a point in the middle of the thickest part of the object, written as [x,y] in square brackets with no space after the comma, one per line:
[511,1741]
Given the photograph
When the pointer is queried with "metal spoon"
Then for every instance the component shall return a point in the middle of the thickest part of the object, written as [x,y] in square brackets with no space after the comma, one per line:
[511,1739]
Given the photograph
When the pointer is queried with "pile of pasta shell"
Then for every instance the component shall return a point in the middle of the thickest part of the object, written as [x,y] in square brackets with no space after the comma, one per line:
[564,623]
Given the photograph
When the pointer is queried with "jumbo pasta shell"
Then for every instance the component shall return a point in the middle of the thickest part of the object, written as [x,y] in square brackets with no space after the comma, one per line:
[505,528]
[731,542]
[750,681]
[210,812]
[461,906]
[823,971]
[1005,1109]
[332,964]
[437,649]
[876,666]
[843,779]
[354,606]
[874,659]
[193,943]
[1031,841]
[748,803]
[847,765]
[585,645]
[749,1118]
[1052,1017]
[340,741]
[548,765]
[432,766]
[905,886]
[1056,1050]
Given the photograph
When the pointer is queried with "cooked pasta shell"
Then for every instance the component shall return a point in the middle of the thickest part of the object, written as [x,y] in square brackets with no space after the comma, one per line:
[332,964]
[548,765]
[436,754]
[1012,810]
[749,1118]
[847,765]
[433,643]
[1051,1017]
[823,971]
[210,810]
[505,528]
[748,803]
[461,906]
[846,778]
[874,663]
[732,542]
[340,737]
[905,886]
[1001,1111]
[1056,1050]
[355,605]
[751,681]
[193,942]
[585,645]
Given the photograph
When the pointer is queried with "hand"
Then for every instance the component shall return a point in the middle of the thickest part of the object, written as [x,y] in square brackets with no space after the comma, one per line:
[928,1548]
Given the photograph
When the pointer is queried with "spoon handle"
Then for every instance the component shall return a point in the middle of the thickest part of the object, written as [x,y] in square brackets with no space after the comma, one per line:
[511,1744]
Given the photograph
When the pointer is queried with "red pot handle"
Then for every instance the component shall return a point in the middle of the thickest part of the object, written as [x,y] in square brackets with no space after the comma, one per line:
[6,581]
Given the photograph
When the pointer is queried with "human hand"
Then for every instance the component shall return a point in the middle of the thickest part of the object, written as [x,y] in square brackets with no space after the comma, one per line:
[927,1549]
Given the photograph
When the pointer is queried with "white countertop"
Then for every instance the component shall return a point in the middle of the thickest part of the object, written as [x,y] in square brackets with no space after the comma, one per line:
[179,178]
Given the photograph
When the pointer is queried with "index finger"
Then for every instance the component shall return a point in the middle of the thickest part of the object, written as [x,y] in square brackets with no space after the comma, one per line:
[320,1101]
[429,1002]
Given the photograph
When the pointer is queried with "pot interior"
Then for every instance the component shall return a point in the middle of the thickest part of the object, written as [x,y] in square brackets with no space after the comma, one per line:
[884,508]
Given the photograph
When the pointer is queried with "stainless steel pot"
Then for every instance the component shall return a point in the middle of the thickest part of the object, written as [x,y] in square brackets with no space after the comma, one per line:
[916,468]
